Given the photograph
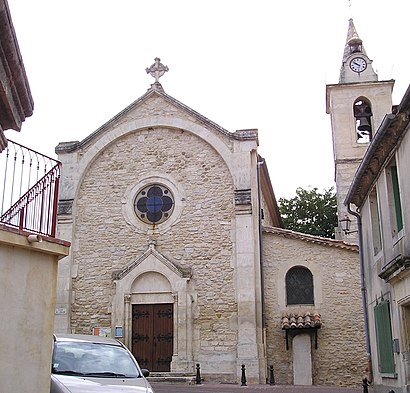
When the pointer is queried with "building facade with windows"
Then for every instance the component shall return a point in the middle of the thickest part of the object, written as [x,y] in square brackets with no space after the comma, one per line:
[177,250]
[380,197]
[371,154]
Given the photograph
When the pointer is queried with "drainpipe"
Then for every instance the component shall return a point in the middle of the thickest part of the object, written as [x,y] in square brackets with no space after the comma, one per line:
[258,169]
[259,163]
[364,291]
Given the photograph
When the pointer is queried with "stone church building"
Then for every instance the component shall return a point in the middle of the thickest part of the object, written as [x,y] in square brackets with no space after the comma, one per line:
[178,250]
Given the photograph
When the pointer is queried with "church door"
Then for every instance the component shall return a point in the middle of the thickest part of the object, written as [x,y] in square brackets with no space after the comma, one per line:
[152,335]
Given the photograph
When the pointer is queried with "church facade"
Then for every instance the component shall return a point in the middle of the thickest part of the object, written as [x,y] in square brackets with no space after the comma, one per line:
[178,250]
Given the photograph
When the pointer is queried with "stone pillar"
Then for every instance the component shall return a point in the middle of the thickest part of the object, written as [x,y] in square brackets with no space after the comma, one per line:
[248,346]
[66,271]
[127,321]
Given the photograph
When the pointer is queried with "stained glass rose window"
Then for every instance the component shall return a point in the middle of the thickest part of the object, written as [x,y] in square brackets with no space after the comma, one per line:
[154,204]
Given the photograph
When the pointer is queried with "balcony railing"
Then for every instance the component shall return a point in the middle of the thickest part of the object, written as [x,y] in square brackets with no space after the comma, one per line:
[29,190]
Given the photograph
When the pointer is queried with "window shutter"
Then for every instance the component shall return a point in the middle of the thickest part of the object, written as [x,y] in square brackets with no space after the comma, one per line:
[384,337]
[397,201]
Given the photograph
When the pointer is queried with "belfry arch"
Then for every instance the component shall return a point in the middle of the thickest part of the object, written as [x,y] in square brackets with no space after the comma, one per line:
[362,112]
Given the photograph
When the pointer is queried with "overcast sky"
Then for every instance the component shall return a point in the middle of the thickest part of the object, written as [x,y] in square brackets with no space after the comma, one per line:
[243,64]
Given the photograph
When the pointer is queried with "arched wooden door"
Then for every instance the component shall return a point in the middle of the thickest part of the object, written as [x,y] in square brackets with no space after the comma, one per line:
[152,335]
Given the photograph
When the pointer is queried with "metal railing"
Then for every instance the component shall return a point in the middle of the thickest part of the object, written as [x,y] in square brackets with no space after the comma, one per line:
[29,189]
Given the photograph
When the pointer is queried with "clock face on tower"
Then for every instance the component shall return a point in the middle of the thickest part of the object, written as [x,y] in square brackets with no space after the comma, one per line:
[358,64]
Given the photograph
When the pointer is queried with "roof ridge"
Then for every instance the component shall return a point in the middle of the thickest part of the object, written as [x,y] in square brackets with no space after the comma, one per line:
[311,238]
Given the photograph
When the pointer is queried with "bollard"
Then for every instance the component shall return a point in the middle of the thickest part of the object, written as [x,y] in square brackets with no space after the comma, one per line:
[198,374]
[271,376]
[243,377]
[365,385]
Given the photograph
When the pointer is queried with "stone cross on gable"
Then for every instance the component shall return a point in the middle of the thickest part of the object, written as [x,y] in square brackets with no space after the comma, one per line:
[157,69]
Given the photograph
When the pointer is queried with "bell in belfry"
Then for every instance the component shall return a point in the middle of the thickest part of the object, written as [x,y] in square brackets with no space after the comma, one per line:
[362,113]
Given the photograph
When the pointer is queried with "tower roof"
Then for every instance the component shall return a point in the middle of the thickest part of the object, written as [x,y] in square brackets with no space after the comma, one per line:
[351,39]
[354,46]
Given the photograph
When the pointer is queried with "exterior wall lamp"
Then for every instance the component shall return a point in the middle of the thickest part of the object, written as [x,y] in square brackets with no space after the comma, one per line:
[33,238]
[345,224]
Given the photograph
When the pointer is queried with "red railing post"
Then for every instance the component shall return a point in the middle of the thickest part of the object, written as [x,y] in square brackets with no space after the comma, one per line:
[55,203]
[22,215]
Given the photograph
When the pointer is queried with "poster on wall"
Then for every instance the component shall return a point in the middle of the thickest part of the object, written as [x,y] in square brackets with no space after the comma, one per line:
[101,331]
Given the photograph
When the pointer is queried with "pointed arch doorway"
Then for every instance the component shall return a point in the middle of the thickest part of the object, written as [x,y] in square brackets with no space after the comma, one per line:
[152,335]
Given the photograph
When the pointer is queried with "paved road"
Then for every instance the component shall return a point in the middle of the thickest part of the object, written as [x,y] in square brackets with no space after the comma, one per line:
[162,387]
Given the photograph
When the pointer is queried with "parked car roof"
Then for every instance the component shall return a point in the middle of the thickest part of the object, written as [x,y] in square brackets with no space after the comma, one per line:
[84,363]
[88,338]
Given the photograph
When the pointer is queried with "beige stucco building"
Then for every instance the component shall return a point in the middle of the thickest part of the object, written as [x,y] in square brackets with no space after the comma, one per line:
[28,278]
[371,148]
[380,196]
[177,250]
[28,253]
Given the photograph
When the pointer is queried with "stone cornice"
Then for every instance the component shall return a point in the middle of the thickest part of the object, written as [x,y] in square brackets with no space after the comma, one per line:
[396,268]
[15,95]
[8,235]
[349,86]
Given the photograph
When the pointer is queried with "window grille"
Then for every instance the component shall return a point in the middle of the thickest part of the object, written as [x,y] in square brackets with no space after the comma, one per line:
[299,286]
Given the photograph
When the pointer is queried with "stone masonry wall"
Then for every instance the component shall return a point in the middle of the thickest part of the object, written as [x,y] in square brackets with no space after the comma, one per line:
[201,239]
[340,358]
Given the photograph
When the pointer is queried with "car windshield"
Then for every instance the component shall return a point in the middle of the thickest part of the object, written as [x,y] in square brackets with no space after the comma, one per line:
[93,359]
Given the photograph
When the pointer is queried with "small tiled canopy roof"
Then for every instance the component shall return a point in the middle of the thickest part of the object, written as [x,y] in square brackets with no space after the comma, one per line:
[301,321]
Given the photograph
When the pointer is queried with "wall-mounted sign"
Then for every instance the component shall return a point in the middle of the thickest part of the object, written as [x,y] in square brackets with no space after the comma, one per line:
[60,311]
[101,331]
[118,331]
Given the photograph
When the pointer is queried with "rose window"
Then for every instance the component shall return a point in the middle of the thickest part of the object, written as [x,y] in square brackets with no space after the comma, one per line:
[154,204]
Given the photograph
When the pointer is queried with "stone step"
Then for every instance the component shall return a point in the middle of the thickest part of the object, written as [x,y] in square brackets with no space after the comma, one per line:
[172,377]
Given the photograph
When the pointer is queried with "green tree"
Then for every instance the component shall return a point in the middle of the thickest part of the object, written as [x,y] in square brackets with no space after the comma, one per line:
[310,212]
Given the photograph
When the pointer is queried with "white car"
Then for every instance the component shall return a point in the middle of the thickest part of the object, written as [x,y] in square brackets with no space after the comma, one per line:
[85,363]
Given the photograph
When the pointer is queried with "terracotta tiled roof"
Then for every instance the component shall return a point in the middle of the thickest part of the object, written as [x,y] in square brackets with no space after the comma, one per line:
[301,321]
[287,233]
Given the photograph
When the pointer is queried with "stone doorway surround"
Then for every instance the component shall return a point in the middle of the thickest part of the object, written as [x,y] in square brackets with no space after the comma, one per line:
[153,279]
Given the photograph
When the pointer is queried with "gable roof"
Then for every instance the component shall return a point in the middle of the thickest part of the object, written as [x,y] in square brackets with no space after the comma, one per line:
[157,90]
[287,233]
[180,271]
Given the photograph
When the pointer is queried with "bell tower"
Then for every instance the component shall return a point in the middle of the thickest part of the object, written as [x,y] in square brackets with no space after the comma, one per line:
[357,106]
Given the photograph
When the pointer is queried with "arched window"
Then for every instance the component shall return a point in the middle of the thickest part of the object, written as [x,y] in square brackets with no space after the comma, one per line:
[362,112]
[299,286]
